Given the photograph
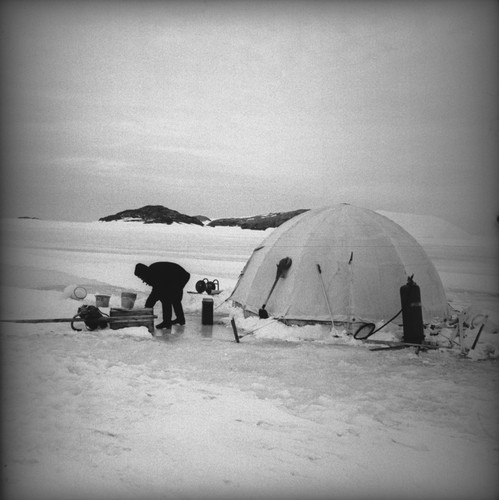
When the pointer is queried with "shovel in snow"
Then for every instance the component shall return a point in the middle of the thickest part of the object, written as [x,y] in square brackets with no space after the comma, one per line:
[282,269]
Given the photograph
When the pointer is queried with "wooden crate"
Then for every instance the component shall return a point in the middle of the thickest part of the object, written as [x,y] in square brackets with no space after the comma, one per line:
[131,317]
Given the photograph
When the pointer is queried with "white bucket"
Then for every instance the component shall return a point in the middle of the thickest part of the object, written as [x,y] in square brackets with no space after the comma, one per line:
[75,292]
[102,300]
[128,300]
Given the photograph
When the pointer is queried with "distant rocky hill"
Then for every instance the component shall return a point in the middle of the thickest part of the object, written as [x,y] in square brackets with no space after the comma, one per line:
[158,214]
[421,227]
[152,214]
[260,222]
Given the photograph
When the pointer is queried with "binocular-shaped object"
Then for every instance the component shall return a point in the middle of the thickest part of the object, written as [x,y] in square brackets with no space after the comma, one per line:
[205,285]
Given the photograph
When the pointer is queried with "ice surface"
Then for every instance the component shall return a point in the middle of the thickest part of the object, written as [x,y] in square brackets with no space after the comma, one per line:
[288,412]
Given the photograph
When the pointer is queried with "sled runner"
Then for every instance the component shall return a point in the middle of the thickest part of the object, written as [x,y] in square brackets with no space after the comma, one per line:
[392,344]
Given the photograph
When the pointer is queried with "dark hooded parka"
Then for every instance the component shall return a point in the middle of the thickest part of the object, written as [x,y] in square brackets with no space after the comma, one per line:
[167,280]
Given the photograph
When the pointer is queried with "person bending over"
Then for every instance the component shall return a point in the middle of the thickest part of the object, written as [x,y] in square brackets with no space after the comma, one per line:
[167,280]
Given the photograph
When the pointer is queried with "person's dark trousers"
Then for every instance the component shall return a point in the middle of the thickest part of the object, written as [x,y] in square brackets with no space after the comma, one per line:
[177,307]
[166,301]
[169,301]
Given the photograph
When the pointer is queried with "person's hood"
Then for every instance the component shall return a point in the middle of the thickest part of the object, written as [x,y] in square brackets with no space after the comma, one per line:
[144,273]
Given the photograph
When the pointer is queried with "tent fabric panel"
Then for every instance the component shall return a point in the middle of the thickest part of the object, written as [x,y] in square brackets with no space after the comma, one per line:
[247,276]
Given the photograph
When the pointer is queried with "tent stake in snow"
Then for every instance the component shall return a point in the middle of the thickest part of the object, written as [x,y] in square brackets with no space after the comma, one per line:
[234,329]
[479,332]
[282,269]
[460,327]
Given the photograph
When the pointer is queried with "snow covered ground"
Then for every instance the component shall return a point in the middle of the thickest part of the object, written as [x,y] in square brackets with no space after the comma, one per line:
[286,413]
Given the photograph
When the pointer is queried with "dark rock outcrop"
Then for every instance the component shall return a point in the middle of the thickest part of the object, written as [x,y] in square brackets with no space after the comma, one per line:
[152,214]
[203,218]
[157,214]
[259,222]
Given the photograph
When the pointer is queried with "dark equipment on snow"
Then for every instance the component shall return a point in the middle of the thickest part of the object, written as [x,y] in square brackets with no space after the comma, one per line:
[412,312]
[211,286]
[205,285]
[282,269]
[92,317]
[207,312]
[410,297]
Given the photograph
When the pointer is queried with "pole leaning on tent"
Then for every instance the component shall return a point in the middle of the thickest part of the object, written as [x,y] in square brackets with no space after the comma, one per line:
[333,329]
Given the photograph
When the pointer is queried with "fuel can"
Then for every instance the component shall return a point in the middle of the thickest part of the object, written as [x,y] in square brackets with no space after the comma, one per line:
[207,312]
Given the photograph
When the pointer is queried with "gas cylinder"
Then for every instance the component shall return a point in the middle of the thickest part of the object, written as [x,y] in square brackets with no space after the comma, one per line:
[412,312]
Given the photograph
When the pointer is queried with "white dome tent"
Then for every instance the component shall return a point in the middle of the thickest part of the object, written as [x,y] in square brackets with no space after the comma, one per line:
[364,259]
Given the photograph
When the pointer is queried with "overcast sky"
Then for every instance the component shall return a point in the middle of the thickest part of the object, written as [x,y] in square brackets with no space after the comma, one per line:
[246,107]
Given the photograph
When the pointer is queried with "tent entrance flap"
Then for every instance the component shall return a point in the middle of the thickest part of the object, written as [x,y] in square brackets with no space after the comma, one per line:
[282,271]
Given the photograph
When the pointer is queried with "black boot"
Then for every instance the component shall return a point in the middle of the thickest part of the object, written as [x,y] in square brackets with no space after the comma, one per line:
[162,325]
